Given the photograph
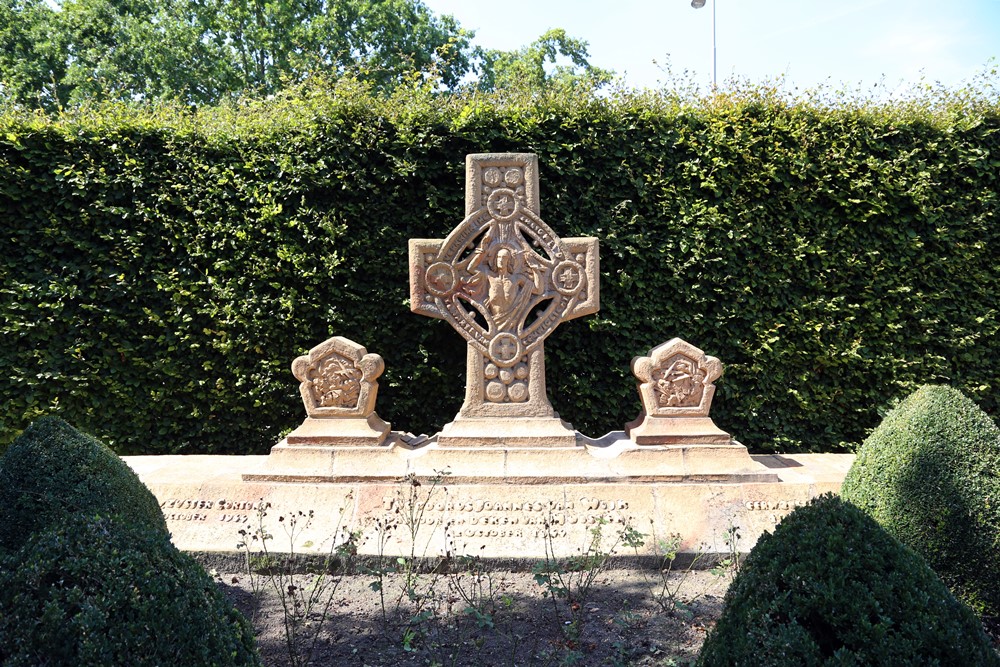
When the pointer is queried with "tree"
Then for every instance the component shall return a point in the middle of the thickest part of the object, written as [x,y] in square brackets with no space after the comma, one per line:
[526,67]
[200,51]
[26,68]
[381,40]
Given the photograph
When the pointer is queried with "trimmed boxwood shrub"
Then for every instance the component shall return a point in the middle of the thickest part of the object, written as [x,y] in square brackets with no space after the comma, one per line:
[830,587]
[929,475]
[99,592]
[53,470]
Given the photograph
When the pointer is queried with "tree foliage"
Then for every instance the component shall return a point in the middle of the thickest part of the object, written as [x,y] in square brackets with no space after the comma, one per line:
[200,52]
[542,65]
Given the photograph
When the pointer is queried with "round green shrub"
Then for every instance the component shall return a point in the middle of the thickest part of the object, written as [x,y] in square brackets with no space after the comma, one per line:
[830,587]
[52,470]
[102,592]
[929,475]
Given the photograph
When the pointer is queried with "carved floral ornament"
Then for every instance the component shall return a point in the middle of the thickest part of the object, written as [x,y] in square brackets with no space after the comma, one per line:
[676,380]
[338,379]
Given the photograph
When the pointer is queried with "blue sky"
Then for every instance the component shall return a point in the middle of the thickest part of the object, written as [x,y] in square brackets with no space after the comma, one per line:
[892,43]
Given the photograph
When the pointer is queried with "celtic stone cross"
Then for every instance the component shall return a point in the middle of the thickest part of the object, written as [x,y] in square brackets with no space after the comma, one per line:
[504,280]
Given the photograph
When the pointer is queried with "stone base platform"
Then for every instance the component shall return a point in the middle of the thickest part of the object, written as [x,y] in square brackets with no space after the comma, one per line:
[615,456]
[208,500]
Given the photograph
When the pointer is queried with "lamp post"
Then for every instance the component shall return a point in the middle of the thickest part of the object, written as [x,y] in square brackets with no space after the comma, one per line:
[698,4]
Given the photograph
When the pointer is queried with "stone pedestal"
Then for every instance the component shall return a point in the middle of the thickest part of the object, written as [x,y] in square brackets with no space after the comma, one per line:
[207,500]
[677,431]
[317,431]
[338,387]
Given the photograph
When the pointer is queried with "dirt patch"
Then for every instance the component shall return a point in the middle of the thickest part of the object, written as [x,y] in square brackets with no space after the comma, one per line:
[473,616]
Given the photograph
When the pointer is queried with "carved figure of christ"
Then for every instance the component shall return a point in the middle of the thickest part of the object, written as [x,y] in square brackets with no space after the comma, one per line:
[504,280]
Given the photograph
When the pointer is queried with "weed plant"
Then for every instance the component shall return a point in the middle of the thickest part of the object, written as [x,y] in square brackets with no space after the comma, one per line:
[305,606]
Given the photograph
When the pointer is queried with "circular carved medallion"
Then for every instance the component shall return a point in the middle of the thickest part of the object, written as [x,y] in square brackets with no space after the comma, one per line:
[491,177]
[496,392]
[505,349]
[518,392]
[503,204]
[567,277]
[440,279]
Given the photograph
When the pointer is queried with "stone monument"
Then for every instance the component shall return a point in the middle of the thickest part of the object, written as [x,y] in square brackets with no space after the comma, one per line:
[504,280]
[515,474]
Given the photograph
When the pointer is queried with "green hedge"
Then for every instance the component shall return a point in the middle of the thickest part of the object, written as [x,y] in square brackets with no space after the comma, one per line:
[929,475]
[52,471]
[160,269]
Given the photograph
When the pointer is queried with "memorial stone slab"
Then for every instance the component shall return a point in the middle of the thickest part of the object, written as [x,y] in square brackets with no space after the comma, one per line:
[507,478]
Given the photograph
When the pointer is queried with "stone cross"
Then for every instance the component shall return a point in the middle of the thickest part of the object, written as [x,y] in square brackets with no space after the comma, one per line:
[504,280]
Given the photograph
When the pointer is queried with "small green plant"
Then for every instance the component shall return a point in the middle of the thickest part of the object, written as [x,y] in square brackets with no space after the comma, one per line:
[305,605]
[666,592]
[379,566]
[572,579]
[477,589]
[417,589]
[481,607]
[416,597]
[624,621]
[730,563]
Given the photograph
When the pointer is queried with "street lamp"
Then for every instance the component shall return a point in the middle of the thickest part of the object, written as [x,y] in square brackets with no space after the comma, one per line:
[698,4]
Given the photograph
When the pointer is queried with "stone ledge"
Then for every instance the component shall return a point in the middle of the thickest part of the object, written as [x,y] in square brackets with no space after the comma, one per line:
[613,456]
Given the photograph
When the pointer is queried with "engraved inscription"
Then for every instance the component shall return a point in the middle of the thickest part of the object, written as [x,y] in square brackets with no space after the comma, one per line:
[204,510]
[768,505]
[483,518]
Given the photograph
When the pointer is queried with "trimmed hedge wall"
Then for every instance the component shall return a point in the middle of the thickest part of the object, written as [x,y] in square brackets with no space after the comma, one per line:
[160,269]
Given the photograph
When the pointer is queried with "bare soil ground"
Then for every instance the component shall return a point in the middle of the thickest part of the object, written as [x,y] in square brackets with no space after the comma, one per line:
[472,616]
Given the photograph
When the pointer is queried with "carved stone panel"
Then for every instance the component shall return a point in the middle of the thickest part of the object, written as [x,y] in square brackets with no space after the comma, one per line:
[676,379]
[676,385]
[338,379]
